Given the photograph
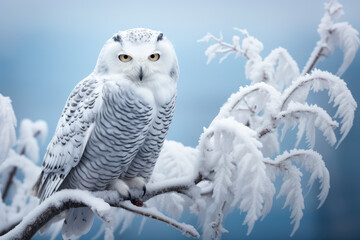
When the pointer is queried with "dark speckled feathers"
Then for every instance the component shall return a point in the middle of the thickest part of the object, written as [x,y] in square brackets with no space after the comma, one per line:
[138,35]
[105,132]
[71,136]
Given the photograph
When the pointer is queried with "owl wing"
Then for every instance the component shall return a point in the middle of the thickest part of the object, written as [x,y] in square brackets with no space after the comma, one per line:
[71,136]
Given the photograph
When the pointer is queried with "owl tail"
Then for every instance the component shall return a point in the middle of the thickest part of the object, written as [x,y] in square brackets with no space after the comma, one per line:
[78,221]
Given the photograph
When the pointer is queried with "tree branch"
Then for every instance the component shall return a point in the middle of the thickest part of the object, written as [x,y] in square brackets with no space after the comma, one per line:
[314,61]
[100,203]
[185,228]
[9,182]
[13,172]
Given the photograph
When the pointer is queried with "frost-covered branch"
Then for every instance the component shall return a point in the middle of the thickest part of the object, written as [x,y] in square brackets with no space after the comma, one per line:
[154,214]
[338,92]
[26,145]
[100,203]
[341,34]
[221,47]
[291,186]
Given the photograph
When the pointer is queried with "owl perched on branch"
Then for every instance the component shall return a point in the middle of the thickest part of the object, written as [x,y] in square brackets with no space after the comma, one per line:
[114,123]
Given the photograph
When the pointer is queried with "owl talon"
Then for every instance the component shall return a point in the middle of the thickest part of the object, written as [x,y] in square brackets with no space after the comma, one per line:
[122,188]
[144,190]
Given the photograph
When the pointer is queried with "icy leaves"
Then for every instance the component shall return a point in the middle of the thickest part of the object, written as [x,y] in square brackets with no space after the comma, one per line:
[231,159]
[16,200]
[339,95]
[291,187]
[236,148]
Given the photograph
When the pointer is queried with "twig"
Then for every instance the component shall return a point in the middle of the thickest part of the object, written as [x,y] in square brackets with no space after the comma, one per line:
[9,182]
[13,172]
[312,65]
[185,228]
[229,47]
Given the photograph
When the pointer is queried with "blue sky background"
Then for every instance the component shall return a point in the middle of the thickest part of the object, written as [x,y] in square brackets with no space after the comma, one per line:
[46,47]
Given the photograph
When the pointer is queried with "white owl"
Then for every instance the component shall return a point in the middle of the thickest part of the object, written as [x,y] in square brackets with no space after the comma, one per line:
[114,123]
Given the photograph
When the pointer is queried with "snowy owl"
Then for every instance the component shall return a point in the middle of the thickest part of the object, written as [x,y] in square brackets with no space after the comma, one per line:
[114,123]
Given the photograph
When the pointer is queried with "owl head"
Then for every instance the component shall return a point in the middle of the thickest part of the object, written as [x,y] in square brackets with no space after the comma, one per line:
[139,55]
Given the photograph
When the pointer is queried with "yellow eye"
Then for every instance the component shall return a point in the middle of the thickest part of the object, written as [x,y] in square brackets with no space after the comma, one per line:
[154,57]
[124,58]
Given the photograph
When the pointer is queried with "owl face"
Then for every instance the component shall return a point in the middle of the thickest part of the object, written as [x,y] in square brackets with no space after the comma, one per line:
[139,55]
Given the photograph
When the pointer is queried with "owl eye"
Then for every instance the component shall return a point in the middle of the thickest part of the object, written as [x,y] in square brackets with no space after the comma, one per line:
[154,57]
[124,58]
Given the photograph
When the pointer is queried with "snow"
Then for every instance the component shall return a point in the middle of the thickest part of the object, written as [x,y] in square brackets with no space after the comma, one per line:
[308,118]
[7,127]
[291,187]
[237,172]
[27,144]
[97,205]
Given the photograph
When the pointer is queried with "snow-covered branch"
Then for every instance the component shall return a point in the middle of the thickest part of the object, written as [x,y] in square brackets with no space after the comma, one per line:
[100,203]
[341,34]
[339,94]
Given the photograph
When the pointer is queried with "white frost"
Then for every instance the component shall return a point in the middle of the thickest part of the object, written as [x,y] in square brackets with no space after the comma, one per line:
[7,127]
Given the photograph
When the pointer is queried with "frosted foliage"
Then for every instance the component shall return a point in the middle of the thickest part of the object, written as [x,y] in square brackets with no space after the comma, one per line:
[292,189]
[286,69]
[338,92]
[347,38]
[7,127]
[308,118]
[237,172]
[332,34]
[27,144]
[21,200]
[16,201]
[175,162]
[237,162]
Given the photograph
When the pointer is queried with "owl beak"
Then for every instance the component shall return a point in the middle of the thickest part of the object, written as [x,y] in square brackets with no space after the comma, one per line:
[141,74]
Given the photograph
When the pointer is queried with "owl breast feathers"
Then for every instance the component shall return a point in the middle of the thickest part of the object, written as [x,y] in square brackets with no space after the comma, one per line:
[115,121]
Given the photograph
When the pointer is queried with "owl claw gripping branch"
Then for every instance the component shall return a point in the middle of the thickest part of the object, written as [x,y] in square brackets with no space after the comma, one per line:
[113,124]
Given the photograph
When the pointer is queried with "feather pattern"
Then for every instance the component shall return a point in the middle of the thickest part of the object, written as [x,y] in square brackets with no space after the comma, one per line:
[71,136]
[114,123]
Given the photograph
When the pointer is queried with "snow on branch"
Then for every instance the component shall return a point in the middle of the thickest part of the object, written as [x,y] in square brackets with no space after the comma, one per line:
[27,143]
[237,173]
[291,186]
[313,163]
[286,70]
[341,34]
[221,47]
[248,102]
[99,203]
[338,93]
[308,118]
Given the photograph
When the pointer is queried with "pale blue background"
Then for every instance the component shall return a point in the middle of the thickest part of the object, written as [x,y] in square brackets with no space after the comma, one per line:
[46,47]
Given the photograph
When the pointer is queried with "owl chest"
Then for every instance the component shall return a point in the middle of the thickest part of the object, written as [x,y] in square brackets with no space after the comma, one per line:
[122,125]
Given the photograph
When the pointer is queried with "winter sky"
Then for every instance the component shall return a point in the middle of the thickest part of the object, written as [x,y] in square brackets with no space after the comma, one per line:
[46,47]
